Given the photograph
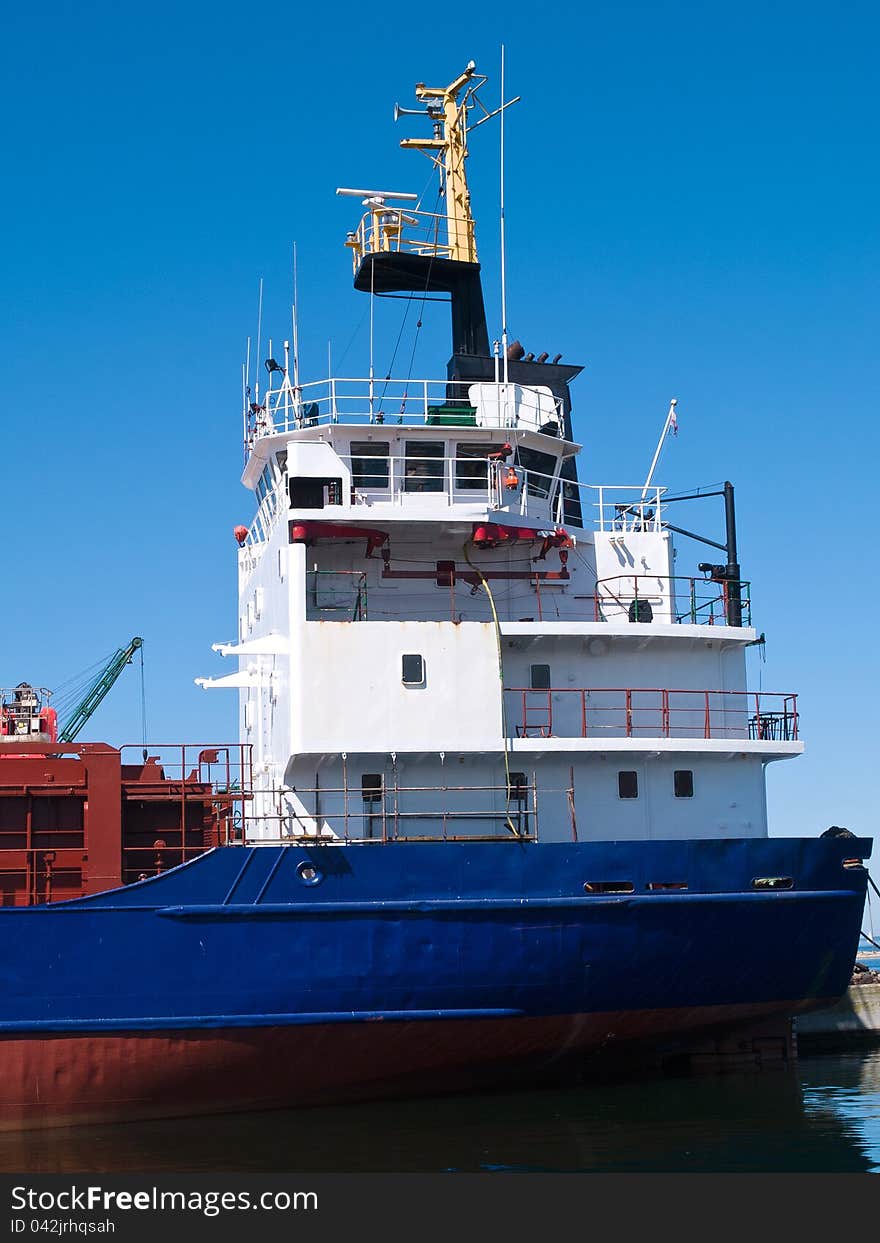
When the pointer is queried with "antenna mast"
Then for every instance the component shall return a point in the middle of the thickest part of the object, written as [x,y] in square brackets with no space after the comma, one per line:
[295,332]
[372,297]
[448,145]
[670,420]
[503,257]
[259,332]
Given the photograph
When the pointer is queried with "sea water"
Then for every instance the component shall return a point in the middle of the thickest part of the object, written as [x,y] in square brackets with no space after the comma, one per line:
[821,1115]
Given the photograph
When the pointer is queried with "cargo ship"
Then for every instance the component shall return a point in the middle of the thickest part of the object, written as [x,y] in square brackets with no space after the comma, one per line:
[497,804]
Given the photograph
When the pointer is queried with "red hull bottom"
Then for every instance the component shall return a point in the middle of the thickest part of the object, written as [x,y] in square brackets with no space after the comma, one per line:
[71,1080]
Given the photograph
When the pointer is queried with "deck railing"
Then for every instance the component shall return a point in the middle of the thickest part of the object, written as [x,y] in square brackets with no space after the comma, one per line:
[695,601]
[212,786]
[391,812]
[451,480]
[400,230]
[359,595]
[362,400]
[639,712]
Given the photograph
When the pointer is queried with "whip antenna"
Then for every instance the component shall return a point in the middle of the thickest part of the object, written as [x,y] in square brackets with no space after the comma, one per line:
[295,330]
[501,204]
[670,424]
[259,334]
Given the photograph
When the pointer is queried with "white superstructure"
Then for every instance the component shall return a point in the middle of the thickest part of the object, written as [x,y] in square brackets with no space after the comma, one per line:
[443,633]
[377,674]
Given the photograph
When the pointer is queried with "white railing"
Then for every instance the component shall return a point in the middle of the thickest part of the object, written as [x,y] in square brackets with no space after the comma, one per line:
[613,507]
[400,480]
[453,481]
[269,513]
[395,229]
[626,508]
[442,403]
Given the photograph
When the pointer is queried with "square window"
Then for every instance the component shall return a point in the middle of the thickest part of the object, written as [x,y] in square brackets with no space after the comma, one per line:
[369,464]
[628,785]
[424,466]
[540,469]
[517,787]
[683,783]
[472,465]
[539,677]
[371,787]
[413,670]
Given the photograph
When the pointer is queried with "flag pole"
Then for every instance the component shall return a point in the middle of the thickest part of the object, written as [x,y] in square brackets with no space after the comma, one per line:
[670,422]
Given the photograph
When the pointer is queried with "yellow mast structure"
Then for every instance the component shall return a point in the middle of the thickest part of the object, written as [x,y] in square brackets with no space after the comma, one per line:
[449,145]
[397,247]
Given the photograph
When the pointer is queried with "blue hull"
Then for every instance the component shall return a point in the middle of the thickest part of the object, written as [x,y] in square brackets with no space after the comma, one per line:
[239,937]
[254,977]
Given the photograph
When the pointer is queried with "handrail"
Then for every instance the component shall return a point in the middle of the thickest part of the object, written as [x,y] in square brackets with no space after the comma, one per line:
[383,229]
[365,400]
[672,713]
[341,595]
[457,479]
[387,813]
[710,610]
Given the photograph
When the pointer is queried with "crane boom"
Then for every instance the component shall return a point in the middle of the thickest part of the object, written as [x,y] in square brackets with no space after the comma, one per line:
[98,688]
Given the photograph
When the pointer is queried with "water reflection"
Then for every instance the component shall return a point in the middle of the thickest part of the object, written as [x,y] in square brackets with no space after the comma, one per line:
[822,1117]
[852,1094]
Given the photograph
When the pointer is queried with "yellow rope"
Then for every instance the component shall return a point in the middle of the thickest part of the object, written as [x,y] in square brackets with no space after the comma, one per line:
[485,584]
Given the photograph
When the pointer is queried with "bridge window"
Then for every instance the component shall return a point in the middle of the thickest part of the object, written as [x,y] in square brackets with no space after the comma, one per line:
[683,783]
[540,469]
[472,466]
[369,464]
[628,785]
[424,469]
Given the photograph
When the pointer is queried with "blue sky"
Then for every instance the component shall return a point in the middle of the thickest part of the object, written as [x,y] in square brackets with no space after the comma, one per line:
[692,211]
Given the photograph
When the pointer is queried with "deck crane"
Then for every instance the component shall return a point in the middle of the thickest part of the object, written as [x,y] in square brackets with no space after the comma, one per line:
[98,688]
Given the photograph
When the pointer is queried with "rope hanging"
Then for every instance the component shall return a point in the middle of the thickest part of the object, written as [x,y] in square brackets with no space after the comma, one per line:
[485,584]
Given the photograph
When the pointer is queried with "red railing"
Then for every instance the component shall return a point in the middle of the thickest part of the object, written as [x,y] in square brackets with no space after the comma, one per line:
[640,712]
[80,818]
[184,798]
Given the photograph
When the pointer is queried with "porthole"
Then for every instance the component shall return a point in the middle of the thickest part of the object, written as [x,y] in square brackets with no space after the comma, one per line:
[308,873]
[773,882]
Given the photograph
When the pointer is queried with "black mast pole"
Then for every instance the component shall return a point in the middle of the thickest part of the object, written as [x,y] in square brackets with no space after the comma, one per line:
[734,587]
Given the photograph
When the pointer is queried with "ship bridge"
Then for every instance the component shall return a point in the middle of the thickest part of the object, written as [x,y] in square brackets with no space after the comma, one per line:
[406,450]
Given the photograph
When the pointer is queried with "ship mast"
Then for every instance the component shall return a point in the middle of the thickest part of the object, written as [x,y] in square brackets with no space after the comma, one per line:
[399,248]
[448,109]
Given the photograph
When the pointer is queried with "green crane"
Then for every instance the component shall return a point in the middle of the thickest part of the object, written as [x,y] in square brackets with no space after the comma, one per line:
[97,689]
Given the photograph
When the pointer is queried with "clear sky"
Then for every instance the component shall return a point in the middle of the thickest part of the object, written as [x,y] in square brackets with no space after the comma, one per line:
[692,211]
